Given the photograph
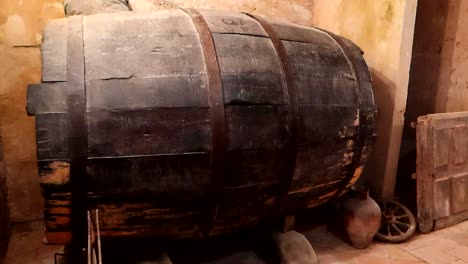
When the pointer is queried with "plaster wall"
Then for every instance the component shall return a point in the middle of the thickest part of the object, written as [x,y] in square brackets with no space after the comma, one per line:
[435,20]
[21,23]
[296,11]
[452,88]
[4,212]
[384,31]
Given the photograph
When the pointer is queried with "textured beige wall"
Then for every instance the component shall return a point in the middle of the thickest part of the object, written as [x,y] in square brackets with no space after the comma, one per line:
[384,31]
[452,88]
[21,23]
[296,11]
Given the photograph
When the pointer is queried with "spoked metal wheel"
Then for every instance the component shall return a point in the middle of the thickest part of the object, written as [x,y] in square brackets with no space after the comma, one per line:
[398,223]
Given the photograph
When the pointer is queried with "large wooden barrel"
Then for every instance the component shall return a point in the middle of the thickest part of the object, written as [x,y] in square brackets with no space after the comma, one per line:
[181,122]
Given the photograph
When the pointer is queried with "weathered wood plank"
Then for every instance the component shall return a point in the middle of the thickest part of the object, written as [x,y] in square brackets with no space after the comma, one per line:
[148,132]
[54,173]
[162,22]
[312,90]
[231,23]
[47,98]
[450,221]
[361,67]
[322,165]
[252,88]
[424,175]
[442,198]
[459,188]
[51,136]
[441,147]
[309,197]
[239,209]
[148,121]
[57,238]
[318,60]
[250,167]
[135,93]
[124,57]
[246,54]
[54,51]
[256,127]
[320,123]
[459,148]
[292,32]
[148,176]
[250,70]
[57,222]
[250,200]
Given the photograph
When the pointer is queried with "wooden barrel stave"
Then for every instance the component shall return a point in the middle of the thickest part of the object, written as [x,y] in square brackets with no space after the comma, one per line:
[148,120]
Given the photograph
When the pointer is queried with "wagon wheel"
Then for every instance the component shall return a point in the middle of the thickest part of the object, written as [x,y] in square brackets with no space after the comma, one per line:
[398,223]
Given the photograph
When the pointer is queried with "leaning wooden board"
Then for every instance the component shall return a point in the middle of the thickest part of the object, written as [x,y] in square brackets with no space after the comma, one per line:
[197,121]
[442,170]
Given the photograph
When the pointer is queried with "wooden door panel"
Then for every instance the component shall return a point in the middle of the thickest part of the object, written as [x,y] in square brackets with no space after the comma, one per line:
[460,145]
[459,193]
[441,147]
[442,170]
[442,198]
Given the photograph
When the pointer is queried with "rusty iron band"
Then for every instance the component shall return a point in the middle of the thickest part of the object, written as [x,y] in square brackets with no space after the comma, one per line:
[218,128]
[77,130]
[293,111]
[361,135]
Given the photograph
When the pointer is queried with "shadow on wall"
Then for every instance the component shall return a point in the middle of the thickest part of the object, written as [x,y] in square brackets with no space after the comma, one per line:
[433,48]
[384,93]
[4,212]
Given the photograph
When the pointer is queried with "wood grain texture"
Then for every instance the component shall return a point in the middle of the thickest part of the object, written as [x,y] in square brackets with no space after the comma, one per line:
[147,93]
[54,51]
[250,70]
[51,136]
[47,98]
[225,22]
[77,136]
[147,176]
[149,117]
[425,202]
[141,46]
[147,132]
[441,170]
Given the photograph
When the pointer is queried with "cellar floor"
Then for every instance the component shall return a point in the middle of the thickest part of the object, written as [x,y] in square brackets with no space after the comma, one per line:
[445,246]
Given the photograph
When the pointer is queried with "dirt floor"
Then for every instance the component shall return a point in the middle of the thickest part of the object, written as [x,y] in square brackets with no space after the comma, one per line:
[445,246]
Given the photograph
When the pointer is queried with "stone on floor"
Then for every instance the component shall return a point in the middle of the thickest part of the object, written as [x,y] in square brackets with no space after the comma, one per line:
[447,246]
[293,248]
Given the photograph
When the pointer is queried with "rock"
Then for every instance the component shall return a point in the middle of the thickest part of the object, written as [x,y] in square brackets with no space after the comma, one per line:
[294,248]
[163,258]
[245,257]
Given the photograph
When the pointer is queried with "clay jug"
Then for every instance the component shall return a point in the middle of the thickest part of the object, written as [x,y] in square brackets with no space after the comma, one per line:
[361,216]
